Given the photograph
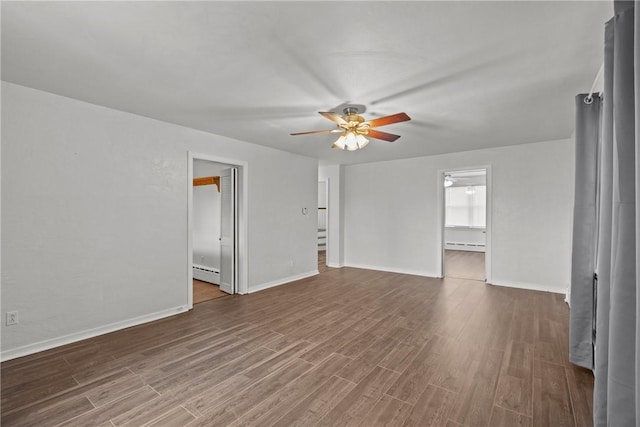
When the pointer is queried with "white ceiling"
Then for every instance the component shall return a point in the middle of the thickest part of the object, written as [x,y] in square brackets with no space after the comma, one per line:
[470,74]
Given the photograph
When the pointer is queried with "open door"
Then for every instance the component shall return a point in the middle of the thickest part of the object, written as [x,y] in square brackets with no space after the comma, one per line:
[228,230]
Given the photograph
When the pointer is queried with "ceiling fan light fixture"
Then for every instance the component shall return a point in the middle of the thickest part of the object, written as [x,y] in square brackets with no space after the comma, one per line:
[354,128]
[340,143]
[351,141]
[361,141]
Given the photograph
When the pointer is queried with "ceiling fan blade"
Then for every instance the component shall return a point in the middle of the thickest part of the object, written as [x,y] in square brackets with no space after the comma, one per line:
[334,117]
[389,120]
[317,131]
[382,135]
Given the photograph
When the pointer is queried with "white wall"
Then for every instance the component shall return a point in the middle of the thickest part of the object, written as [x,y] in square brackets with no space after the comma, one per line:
[392,223]
[206,216]
[94,217]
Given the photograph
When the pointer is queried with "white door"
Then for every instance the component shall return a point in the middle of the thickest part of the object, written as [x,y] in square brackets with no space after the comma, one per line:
[228,230]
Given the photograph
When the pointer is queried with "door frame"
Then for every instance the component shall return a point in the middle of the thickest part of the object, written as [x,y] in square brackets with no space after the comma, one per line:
[242,195]
[441,209]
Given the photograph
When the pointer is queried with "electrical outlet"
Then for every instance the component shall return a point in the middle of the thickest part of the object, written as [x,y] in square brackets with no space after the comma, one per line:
[12,318]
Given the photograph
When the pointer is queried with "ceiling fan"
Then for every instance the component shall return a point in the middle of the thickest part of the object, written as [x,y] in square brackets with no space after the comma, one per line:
[354,128]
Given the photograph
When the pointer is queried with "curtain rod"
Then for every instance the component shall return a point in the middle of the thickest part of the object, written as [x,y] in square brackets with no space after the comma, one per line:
[589,98]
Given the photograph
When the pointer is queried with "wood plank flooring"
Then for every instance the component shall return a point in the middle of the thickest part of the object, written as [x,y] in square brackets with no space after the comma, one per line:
[346,347]
[464,265]
[322,262]
[203,291]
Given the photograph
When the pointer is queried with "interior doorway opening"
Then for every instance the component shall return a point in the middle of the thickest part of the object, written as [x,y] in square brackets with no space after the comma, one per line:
[465,229]
[323,225]
[216,228]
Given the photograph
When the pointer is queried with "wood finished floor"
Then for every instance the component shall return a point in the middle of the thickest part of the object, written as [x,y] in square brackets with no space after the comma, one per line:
[322,262]
[464,264]
[204,291]
[346,347]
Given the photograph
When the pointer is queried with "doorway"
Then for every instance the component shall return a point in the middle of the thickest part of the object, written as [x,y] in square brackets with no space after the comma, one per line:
[216,228]
[465,224]
[323,224]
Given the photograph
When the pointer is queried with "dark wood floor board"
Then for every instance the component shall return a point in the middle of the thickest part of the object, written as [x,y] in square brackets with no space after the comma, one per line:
[388,412]
[51,414]
[523,326]
[428,313]
[580,381]
[175,357]
[25,374]
[400,357]
[132,343]
[551,399]
[454,362]
[324,332]
[361,366]
[271,408]
[105,413]
[357,346]
[384,327]
[243,400]
[416,377]
[307,330]
[44,357]
[178,417]
[474,402]
[490,323]
[322,400]
[98,371]
[114,390]
[227,347]
[277,360]
[337,342]
[382,310]
[515,385]
[432,408]
[62,399]
[148,411]
[504,418]
[36,389]
[190,341]
[346,347]
[234,360]
[412,303]
[356,405]
[468,300]
[225,390]
[552,342]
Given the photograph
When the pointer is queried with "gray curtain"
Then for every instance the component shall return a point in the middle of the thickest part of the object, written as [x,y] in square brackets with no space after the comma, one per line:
[617,359]
[584,230]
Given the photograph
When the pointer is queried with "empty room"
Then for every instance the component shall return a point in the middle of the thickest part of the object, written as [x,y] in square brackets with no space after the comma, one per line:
[317,213]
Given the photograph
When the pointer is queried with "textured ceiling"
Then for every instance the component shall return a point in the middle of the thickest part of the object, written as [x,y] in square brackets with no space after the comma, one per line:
[470,74]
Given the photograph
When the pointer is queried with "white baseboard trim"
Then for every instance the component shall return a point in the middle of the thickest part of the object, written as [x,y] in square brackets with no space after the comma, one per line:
[335,265]
[529,286]
[423,273]
[263,286]
[89,333]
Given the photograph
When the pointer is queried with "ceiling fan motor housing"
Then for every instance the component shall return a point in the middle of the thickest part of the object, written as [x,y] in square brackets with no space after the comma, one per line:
[354,121]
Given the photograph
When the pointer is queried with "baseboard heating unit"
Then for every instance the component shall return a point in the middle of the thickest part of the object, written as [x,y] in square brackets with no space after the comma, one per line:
[206,274]
[475,247]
